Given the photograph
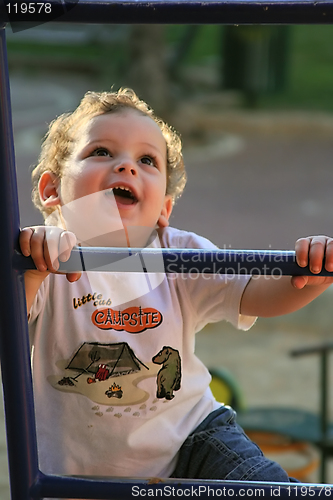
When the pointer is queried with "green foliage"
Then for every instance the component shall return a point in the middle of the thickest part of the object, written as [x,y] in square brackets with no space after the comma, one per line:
[309,71]
[308,60]
[207,42]
[311,67]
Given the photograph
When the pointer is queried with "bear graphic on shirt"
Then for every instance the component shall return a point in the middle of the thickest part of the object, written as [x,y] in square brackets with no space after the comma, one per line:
[169,376]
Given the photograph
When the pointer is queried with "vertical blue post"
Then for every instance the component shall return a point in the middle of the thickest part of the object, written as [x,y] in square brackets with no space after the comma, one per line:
[324,395]
[14,343]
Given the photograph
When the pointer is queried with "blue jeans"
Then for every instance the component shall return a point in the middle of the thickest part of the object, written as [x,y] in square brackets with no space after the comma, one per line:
[219,449]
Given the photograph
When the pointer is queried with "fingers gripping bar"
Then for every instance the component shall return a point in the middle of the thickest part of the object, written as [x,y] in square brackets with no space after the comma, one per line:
[154,260]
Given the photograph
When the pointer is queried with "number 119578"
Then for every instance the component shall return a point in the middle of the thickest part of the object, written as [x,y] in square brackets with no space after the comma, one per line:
[29,8]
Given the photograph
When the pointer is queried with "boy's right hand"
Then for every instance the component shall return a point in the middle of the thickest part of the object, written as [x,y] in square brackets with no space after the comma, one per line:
[47,245]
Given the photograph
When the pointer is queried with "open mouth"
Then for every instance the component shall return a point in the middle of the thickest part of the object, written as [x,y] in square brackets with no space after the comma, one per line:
[124,195]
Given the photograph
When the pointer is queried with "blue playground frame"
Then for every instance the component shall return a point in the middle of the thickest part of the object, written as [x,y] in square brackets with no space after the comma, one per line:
[26,480]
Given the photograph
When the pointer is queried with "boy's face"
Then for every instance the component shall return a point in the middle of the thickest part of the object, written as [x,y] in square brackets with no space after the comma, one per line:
[123,157]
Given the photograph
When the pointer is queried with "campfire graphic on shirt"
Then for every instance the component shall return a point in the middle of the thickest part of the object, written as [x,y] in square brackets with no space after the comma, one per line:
[114,391]
[94,365]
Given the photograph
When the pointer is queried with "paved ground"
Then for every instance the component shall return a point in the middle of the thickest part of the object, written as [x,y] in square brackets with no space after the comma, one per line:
[261,182]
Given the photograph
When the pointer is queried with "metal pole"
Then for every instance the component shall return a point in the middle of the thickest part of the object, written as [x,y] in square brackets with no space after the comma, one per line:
[14,343]
[324,412]
[172,260]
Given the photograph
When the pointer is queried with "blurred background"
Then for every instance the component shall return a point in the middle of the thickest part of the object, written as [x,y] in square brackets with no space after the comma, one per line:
[254,106]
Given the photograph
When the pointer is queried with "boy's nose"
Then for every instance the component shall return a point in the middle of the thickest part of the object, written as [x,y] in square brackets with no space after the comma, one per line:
[127,166]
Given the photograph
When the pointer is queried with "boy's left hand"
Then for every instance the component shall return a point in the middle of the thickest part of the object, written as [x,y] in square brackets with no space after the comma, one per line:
[315,252]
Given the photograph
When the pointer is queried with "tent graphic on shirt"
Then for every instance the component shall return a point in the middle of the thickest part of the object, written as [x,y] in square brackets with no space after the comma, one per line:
[93,366]
[116,359]
[108,374]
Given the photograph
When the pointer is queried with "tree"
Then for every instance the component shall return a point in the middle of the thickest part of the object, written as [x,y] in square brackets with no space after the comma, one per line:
[148,73]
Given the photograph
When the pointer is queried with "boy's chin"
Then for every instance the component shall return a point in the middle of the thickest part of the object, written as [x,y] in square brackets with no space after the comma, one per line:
[133,237]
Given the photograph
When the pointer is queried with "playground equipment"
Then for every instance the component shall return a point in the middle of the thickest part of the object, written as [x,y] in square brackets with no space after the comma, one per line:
[285,430]
[27,481]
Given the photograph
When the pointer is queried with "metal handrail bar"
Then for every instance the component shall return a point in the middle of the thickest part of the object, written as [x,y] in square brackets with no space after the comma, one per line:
[221,261]
[173,12]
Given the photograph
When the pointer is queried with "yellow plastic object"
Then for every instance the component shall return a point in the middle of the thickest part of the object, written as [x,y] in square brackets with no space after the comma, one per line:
[226,389]
[221,391]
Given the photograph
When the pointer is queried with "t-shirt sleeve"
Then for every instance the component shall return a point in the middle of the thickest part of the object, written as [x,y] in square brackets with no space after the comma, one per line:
[39,300]
[211,297]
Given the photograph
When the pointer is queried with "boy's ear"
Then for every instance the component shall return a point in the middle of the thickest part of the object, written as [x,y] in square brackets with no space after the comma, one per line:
[163,220]
[48,189]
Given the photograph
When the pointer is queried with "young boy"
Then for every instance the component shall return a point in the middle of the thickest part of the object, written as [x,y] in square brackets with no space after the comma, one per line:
[118,388]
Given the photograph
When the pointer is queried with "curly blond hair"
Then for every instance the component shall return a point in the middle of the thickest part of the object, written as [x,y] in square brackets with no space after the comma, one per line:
[59,141]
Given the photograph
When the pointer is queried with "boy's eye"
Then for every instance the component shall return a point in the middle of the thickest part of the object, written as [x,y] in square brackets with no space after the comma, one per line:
[147,160]
[101,152]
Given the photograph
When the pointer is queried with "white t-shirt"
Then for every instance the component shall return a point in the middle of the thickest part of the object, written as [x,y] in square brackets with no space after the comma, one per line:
[117,385]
